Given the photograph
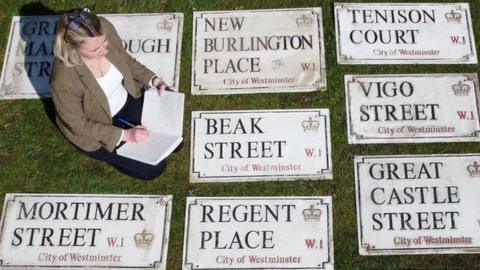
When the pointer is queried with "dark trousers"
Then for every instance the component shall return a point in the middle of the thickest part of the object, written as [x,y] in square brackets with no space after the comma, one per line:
[131,112]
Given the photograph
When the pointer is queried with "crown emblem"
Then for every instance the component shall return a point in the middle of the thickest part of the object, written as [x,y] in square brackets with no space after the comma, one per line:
[453,16]
[276,64]
[310,125]
[303,21]
[143,239]
[165,25]
[460,89]
[312,214]
[474,169]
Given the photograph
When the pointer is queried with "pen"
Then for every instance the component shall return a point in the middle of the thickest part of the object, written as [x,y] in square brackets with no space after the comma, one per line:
[125,122]
[166,89]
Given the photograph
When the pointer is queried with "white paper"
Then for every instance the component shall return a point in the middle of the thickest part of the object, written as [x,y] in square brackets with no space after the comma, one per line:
[163,113]
[163,117]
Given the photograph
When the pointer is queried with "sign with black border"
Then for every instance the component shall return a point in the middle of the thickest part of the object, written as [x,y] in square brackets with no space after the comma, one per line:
[260,145]
[154,39]
[412,108]
[404,33]
[418,204]
[85,231]
[258,51]
[256,233]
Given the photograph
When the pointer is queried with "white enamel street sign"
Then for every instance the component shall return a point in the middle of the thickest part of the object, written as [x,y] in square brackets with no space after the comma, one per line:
[258,51]
[418,204]
[404,33]
[85,231]
[233,146]
[413,108]
[256,233]
[155,40]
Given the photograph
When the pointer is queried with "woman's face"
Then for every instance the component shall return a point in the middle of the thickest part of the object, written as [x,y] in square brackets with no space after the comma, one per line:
[93,48]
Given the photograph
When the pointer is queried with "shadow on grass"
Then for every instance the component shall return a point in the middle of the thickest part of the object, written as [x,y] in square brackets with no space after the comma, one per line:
[39,38]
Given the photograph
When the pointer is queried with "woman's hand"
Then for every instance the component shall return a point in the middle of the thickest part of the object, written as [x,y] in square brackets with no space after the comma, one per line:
[159,84]
[137,134]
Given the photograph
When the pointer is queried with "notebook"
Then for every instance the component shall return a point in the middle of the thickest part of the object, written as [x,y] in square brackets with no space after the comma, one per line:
[163,117]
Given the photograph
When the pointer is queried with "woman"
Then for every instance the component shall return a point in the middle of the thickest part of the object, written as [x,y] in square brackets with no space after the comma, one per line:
[96,88]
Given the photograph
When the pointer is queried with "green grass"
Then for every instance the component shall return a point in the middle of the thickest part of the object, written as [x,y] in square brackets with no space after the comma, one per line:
[34,157]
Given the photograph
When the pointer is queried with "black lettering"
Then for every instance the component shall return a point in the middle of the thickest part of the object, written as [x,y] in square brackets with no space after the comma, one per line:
[17,234]
[206,212]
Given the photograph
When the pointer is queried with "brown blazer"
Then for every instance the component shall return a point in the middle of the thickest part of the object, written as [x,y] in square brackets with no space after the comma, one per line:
[82,110]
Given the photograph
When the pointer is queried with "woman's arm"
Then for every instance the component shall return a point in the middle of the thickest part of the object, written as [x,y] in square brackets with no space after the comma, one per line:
[68,100]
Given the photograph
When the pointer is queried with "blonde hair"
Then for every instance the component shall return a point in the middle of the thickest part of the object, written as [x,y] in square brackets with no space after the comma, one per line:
[73,28]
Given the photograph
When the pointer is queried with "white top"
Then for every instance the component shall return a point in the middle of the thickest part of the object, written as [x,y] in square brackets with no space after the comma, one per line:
[111,84]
